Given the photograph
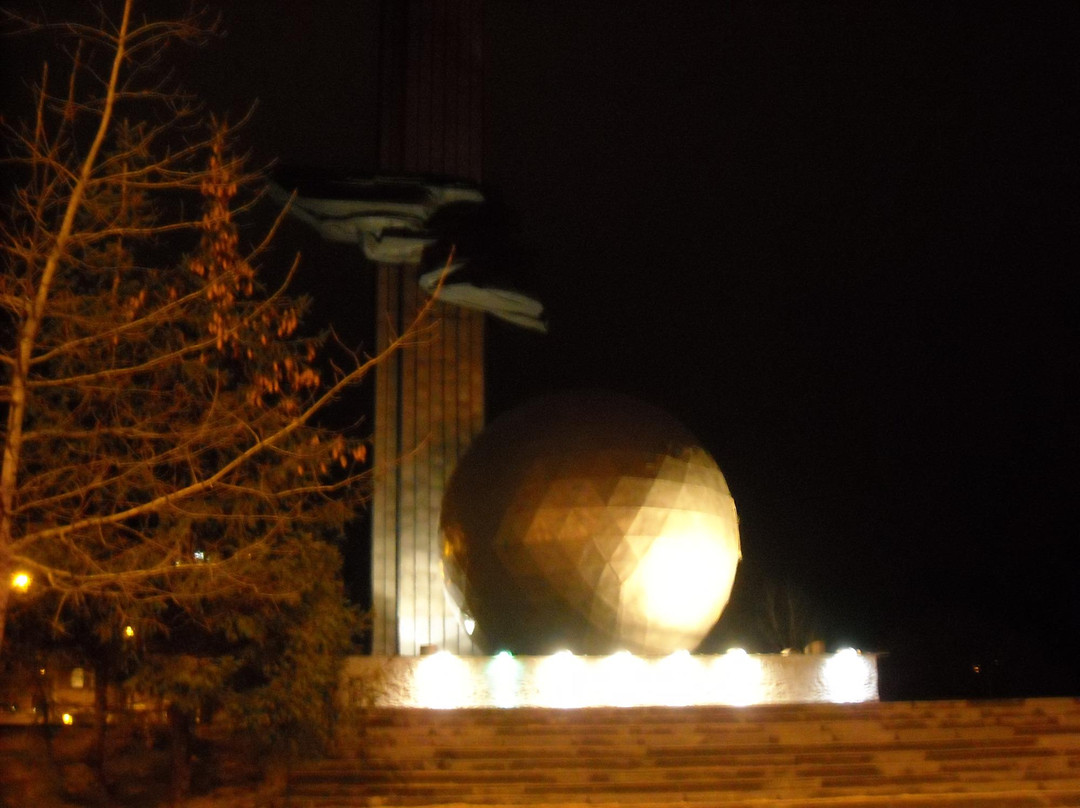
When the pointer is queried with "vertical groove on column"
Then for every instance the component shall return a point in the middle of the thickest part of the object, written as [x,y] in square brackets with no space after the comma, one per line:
[449,102]
[421,462]
[436,470]
[477,379]
[380,498]
[451,325]
[413,70]
[407,476]
[440,74]
[474,129]
[386,451]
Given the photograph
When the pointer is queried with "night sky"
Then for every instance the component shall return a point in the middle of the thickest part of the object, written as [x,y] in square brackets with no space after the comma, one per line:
[837,240]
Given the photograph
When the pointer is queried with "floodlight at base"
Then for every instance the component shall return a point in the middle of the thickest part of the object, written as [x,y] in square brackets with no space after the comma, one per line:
[566,680]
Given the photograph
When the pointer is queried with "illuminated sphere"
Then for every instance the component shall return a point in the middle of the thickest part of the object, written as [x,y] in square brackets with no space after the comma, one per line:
[592,522]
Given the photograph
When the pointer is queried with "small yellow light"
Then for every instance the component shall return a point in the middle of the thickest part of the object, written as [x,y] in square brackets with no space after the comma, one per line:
[129,631]
[68,719]
[20,581]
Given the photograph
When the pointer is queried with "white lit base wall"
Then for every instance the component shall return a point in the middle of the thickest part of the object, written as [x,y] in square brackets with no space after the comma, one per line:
[445,681]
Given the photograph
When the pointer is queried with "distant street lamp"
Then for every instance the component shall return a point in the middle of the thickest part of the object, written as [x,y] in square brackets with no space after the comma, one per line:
[20,581]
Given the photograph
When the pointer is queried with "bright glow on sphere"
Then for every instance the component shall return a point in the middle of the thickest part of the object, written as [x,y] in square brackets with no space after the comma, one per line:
[592,522]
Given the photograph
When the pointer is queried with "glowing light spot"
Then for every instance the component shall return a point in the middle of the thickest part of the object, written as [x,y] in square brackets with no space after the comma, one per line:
[560,681]
[442,681]
[504,675]
[20,581]
[621,680]
[848,677]
[129,632]
[68,719]
[680,680]
[738,678]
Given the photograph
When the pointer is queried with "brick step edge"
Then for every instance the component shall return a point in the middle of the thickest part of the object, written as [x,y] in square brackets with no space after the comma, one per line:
[1050,798]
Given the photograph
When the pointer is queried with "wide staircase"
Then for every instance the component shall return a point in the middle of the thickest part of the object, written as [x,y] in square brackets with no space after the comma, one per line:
[949,753]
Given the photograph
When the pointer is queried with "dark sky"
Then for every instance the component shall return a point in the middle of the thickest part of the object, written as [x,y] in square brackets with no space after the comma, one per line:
[836,239]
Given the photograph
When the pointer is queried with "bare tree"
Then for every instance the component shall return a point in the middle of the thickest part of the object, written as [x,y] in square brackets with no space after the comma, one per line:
[160,443]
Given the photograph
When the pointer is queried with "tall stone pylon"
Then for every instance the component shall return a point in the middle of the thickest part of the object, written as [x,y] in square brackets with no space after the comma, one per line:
[429,398]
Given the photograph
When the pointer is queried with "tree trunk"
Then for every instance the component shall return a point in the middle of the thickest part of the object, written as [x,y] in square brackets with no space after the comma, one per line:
[180,722]
[5,593]
[101,716]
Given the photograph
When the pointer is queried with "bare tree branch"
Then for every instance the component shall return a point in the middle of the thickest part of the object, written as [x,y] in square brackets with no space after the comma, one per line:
[158,400]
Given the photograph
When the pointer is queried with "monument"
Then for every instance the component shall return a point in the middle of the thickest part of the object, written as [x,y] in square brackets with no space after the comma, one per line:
[620,587]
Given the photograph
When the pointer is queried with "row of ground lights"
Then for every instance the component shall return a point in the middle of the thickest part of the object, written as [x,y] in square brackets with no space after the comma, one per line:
[444,680]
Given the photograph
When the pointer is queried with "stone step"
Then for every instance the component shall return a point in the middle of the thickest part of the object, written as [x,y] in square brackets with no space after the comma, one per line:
[704,792]
[568,771]
[692,718]
[1054,709]
[944,753]
[858,779]
[1018,747]
[454,762]
[694,721]
[811,738]
[592,760]
[589,775]
[1001,799]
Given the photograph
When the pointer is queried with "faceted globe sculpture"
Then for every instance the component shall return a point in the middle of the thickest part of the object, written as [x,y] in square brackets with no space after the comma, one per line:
[591,522]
